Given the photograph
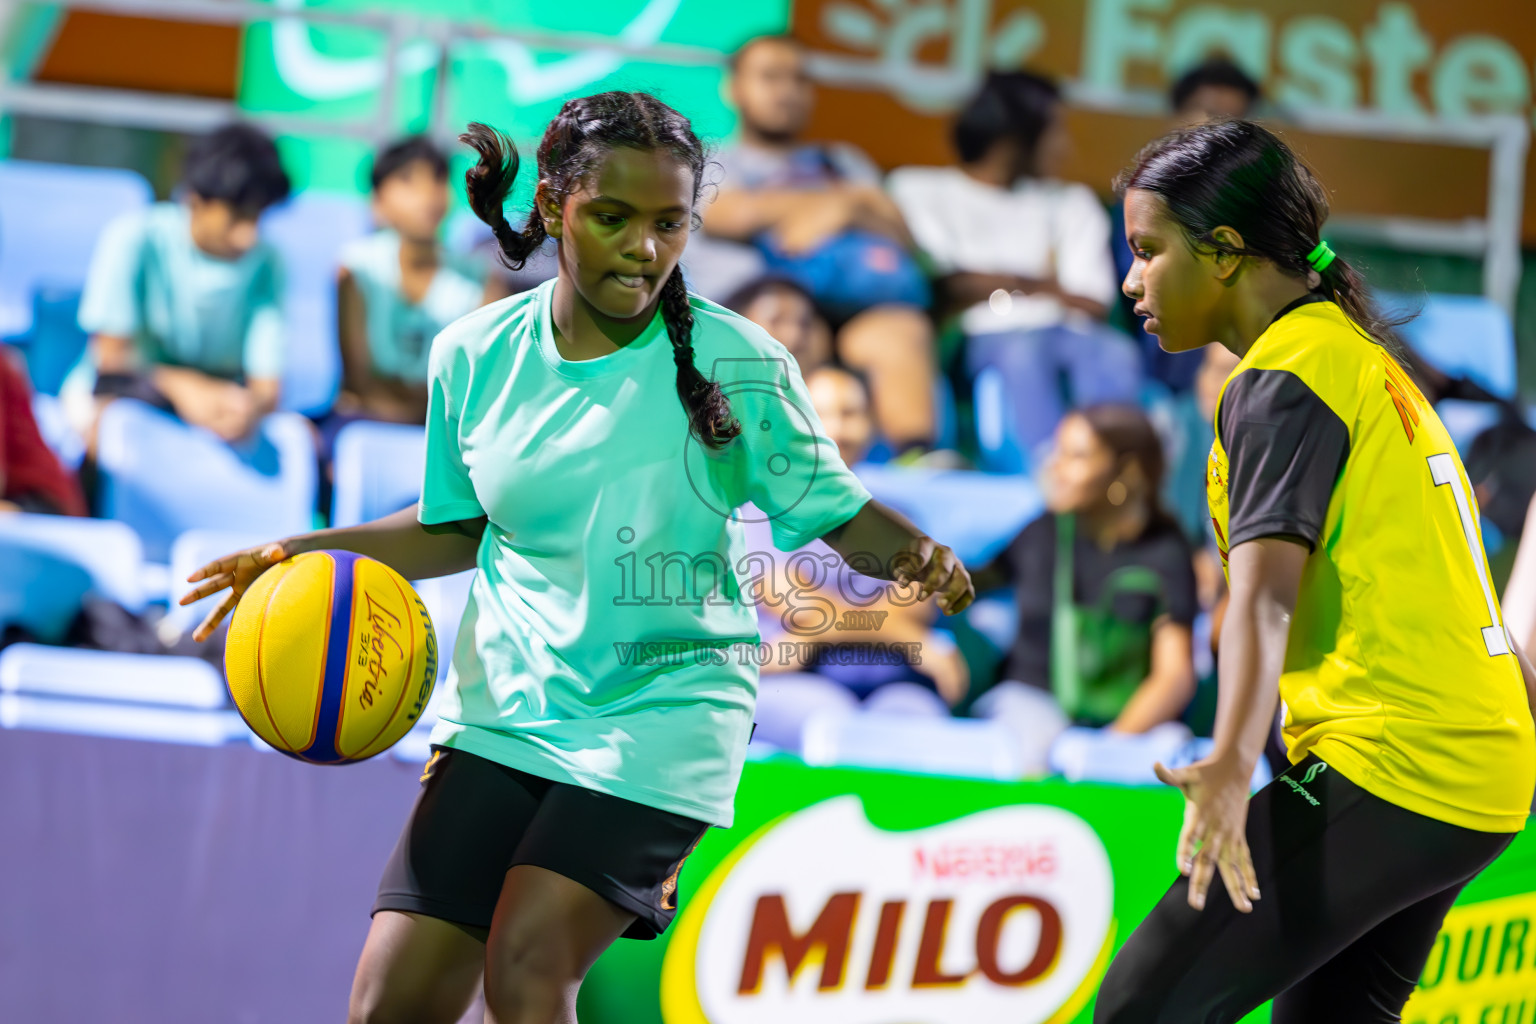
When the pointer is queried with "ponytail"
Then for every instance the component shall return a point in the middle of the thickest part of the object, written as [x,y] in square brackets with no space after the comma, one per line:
[488,183]
[709,413]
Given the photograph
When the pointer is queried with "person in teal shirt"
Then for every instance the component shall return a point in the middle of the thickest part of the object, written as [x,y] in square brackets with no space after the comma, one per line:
[398,287]
[182,300]
[588,445]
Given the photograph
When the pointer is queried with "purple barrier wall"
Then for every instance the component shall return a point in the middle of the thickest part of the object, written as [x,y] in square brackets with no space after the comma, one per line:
[146,882]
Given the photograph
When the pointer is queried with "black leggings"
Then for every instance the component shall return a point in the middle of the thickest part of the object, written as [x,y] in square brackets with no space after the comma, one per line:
[1354,893]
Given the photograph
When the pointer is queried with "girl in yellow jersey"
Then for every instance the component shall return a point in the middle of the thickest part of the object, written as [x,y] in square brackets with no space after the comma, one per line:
[1360,596]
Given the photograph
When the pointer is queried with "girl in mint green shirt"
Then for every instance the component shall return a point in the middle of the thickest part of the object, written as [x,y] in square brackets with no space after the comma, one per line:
[588,446]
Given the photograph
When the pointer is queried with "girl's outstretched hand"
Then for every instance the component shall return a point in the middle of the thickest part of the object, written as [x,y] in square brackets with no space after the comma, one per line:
[1214,837]
[235,572]
[936,570]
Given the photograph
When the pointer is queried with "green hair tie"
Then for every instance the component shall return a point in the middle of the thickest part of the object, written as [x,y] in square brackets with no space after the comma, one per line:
[1321,257]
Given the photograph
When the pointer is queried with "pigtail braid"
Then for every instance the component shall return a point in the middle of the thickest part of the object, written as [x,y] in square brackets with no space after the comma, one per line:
[709,412]
[488,183]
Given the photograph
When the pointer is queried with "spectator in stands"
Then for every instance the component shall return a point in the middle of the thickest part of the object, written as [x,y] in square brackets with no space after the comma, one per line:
[1024,258]
[816,213]
[787,312]
[399,286]
[182,299]
[31,477]
[1106,595]
[1215,88]
[813,592]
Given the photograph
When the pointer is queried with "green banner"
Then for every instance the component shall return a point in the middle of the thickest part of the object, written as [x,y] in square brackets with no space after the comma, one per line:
[845,896]
[335,73]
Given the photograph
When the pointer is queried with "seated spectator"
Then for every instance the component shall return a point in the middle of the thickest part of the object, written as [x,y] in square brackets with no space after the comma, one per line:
[182,298]
[1106,595]
[814,589]
[398,287]
[1191,431]
[31,477]
[788,313]
[816,213]
[1024,258]
[1215,88]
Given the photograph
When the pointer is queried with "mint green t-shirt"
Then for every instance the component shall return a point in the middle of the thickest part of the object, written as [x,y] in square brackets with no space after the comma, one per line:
[400,331]
[148,281]
[608,637]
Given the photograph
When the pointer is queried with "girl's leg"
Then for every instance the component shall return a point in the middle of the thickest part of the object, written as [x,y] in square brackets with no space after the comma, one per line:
[547,933]
[425,951]
[1333,864]
[590,868]
[416,970]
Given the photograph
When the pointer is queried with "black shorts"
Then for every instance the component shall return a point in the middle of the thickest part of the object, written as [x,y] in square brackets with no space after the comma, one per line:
[1353,892]
[475,819]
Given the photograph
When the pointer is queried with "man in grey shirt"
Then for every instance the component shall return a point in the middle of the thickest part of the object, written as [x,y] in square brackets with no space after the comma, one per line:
[795,208]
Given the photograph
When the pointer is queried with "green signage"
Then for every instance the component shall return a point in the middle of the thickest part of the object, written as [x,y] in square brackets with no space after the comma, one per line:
[334,74]
[846,896]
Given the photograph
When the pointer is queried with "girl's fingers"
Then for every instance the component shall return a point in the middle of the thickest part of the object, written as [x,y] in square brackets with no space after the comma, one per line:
[1250,878]
[1200,877]
[210,586]
[211,620]
[1232,879]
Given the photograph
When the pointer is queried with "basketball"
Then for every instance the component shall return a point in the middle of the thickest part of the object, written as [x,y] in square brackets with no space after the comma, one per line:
[331,657]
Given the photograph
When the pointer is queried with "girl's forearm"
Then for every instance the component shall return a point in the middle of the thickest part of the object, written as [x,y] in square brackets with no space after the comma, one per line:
[872,539]
[1266,576]
[402,543]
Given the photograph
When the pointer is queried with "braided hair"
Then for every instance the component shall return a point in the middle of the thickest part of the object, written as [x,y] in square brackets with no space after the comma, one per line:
[586,130]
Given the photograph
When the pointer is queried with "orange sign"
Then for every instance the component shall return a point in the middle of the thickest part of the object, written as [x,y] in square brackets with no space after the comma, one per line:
[896,69]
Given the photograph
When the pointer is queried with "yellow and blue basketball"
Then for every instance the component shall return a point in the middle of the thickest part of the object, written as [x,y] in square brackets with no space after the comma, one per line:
[331,657]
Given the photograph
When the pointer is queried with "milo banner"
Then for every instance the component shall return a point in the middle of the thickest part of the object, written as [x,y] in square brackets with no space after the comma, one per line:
[860,897]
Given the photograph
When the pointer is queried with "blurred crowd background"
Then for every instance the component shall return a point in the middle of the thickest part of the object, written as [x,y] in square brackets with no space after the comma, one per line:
[229,232]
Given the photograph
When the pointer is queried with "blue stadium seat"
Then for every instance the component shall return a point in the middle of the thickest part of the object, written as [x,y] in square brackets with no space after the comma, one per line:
[50,217]
[192,550]
[976,514]
[104,675]
[1464,336]
[53,341]
[163,477]
[378,470]
[999,449]
[56,431]
[127,696]
[309,231]
[108,553]
[944,746]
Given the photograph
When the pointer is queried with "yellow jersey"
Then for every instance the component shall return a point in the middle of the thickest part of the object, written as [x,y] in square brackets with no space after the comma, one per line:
[1398,670]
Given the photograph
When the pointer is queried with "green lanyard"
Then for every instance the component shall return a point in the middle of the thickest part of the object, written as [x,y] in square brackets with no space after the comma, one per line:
[1098,660]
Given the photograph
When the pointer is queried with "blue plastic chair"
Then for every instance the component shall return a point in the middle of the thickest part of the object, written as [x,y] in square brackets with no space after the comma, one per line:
[162,477]
[942,746]
[125,696]
[976,514]
[50,563]
[310,231]
[50,218]
[378,470]
[109,552]
[1464,336]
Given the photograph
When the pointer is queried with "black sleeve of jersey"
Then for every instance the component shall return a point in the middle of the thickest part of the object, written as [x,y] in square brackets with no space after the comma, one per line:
[1285,451]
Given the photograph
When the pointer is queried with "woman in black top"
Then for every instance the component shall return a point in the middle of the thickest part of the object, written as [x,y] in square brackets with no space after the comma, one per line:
[1105,589]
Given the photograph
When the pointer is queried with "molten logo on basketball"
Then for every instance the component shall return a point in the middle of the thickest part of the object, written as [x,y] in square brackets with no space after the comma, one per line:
[823,918]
